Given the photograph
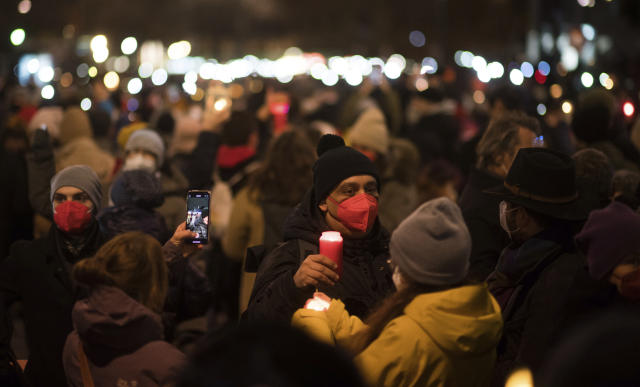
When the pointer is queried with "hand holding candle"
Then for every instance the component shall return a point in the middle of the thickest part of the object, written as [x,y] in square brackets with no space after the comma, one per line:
[331,247]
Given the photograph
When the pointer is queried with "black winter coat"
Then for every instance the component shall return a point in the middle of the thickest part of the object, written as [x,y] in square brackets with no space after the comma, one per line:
[544,290]
[37,273]
[481,215]
[365,281]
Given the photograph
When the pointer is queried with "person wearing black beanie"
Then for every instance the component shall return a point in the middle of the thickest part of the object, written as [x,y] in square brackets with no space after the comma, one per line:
[344,198]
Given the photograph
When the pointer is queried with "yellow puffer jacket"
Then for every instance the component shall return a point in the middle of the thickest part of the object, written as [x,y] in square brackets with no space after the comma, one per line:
[445,338]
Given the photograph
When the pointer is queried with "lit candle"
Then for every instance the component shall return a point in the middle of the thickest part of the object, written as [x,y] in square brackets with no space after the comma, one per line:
[331,247]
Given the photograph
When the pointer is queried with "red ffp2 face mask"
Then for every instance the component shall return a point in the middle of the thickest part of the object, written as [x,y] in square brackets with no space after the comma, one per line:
[72,217]
[357,212]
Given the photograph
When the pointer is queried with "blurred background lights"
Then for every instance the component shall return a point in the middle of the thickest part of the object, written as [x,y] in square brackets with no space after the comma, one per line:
[100,55]
[353,78]
[85,104]
[478,63]
[17,36]
[478,97]
[93,71]
[417,39]
[179,50]
[556,91]
[129,45]
[134,86]
[394,66]
[422,84]
[191,77]
[516,77]
[527,69]
[542,110]
[121,64]
[24,6]
[145,70]
[66,80]
[337,64]
[98,43]
[317,70]
[159,77]
[570,58]
[586,79]
[330,78]
[567,107]
[628,109]
[47,92]
[207,70]
[484,76]
[466,59]
[495,70]
[33,66]
[588,31]
[111,80]
[606,81]
[189,88]
[45,74]
[429,66]
[544,68]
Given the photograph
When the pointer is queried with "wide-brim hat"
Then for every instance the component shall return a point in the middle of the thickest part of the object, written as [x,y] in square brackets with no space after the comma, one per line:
[543,181]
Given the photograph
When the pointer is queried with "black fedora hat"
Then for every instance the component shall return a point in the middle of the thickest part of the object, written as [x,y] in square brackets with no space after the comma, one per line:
[543,181]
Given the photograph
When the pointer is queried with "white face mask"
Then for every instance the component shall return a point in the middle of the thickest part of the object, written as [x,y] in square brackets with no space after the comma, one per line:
[503,219]
[397,279]
[138,161]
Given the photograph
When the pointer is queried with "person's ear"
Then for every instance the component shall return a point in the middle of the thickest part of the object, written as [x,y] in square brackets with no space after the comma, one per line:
[323,206]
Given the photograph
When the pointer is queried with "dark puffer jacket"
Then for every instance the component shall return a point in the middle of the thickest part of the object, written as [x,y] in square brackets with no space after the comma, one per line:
[366,278]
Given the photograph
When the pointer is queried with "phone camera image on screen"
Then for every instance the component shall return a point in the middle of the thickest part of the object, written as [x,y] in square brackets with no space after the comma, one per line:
[198,215]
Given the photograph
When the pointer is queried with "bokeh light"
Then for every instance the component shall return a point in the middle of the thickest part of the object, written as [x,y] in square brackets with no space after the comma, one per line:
[47,92]
[129,45]
[85,104]
[527,69]
[24,6]
[417,39]
[516,77]
[111,80]
[541,109]
[628,109]
[567,107]
[134,86]
[159,77]
[586,79]
[17,36]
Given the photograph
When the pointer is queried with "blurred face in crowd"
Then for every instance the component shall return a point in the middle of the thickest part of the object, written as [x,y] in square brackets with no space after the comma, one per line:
[526,140]
[141,159]
[68,193]
[347,189]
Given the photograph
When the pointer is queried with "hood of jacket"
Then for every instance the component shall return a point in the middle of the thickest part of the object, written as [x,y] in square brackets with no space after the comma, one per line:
[307,222]
[463,320]
[109,322]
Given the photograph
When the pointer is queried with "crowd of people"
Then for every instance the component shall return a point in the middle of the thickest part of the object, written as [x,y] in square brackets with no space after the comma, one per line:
[477,240]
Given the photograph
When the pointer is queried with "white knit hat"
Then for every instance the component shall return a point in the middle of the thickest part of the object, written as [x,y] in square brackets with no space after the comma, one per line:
[370,130]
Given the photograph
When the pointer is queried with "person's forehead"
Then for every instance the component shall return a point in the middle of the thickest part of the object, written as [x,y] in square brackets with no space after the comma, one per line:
[68,190]
[359,179]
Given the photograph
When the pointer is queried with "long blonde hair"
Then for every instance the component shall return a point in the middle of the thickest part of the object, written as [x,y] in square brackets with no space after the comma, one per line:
[132,262]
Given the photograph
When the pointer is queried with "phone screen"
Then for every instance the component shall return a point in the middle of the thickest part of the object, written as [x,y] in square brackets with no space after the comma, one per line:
[198,215]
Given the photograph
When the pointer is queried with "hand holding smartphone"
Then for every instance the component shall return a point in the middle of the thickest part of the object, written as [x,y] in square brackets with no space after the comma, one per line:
[198,215]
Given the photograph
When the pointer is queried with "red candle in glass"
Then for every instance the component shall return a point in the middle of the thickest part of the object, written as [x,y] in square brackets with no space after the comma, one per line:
[331,247]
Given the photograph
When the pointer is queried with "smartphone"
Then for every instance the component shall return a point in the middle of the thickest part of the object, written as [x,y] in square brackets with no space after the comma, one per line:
[198,215]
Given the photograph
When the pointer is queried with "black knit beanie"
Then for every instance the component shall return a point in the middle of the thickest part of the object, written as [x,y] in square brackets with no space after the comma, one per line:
[337,162]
